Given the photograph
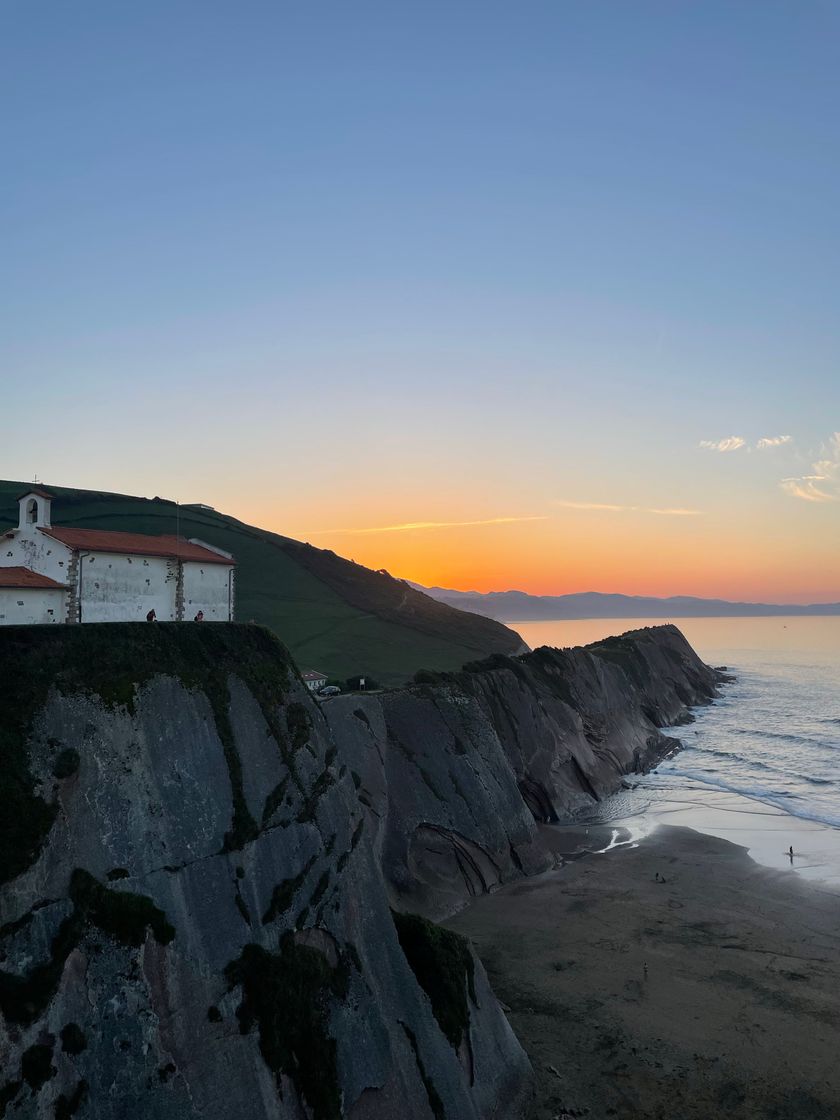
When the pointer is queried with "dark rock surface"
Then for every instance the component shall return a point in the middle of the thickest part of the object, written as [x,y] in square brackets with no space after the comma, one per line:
[203,906]
[455,770]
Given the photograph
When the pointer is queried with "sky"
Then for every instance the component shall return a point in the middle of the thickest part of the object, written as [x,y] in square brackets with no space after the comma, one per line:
[539,295]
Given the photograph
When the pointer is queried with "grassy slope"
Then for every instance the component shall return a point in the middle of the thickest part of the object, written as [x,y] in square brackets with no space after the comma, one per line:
[332,614]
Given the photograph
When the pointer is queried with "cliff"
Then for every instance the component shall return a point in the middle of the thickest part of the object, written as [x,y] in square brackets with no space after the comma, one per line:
[456,768]
[215,891]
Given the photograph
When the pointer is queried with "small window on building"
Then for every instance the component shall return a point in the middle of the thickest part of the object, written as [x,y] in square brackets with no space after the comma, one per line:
[20,602]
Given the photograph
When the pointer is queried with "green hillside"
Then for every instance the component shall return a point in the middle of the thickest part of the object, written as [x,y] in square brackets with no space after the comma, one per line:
[333,615]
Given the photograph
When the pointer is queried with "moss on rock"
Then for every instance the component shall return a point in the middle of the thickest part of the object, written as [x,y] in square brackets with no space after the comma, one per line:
[627,654]
[36,1066]
[284,893]
[443,965]
[298,724]
[287,995]
[73,1039]
[8,1092]
[111,661]
[119,914]
[433,1096]
[66,763]
[67,1107]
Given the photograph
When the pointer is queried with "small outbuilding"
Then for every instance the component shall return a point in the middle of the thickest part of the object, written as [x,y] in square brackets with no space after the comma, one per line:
[29,597]
[314,680]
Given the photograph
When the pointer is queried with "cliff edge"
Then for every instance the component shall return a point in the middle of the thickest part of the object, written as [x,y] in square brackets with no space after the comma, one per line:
[215,892]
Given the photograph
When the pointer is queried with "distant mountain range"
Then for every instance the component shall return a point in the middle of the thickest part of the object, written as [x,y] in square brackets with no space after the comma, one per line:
[517,606]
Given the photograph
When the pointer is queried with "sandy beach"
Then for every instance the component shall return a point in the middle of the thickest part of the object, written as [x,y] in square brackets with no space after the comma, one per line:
[674,979]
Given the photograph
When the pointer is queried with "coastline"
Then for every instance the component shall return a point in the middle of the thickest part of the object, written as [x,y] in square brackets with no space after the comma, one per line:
[766,832]
[736,1014]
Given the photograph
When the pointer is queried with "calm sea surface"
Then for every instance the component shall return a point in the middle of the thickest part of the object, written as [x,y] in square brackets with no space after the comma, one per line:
[761,766]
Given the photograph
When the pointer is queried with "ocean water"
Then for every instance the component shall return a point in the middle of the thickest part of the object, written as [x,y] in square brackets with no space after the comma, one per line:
[760,766]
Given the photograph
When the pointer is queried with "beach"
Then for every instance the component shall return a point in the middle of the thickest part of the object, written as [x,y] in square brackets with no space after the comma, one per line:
[669,977]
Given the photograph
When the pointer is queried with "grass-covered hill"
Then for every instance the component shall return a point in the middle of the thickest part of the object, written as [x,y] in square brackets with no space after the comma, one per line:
[333,615]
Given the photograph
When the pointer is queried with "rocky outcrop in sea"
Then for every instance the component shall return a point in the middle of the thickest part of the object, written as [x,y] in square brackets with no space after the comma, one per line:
[216,893]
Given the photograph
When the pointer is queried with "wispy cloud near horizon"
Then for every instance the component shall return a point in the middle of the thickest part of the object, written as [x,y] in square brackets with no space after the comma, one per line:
[772,441]
[610,508]
[730,443]
[410,526]
[823,485]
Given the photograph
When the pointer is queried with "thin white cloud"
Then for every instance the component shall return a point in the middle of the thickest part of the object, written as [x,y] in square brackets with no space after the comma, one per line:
[608,507]
[730,443]
[823,485]
[411,526]
[772,441]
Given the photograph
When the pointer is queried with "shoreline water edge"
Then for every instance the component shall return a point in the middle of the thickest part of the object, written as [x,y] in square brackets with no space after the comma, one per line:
[759,764]
[675,976]
[677,955]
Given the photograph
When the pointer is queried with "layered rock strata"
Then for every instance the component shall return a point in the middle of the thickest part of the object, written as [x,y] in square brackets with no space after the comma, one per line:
[214,891]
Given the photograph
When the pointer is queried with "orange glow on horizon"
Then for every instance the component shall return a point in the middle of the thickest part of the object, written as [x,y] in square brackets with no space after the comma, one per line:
[584,551]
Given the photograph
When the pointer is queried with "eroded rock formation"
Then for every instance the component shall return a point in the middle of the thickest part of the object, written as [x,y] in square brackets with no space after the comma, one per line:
[200,867]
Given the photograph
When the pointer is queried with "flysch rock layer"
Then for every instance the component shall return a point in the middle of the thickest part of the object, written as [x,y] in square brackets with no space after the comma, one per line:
[200,866]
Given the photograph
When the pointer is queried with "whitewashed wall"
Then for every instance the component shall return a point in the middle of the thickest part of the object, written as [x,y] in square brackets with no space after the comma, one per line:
[35,550]
[31,606]
[116,588]
[206,589]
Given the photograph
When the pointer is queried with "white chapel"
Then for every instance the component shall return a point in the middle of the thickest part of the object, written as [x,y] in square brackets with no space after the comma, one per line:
[53,574]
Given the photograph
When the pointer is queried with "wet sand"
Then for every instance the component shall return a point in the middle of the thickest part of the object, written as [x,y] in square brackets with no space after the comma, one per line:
[715,993]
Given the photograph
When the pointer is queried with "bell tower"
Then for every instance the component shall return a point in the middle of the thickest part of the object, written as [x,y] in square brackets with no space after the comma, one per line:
[35,506]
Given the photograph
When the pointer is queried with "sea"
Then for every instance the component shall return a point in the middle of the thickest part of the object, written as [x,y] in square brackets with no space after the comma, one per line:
[761,765]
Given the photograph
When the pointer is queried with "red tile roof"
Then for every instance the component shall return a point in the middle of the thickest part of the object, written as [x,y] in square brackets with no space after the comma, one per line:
[135,544]
[313,675]
[24,579]
[38,491]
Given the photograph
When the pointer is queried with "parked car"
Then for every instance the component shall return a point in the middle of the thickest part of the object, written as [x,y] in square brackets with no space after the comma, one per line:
[329,690]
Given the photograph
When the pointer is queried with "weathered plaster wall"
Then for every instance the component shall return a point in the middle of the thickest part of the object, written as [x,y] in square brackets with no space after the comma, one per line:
[30,607]
[33,549]
[206,589]
[117,588]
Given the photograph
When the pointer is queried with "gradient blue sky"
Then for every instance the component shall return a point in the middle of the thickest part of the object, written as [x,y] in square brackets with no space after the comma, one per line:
[335,266]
